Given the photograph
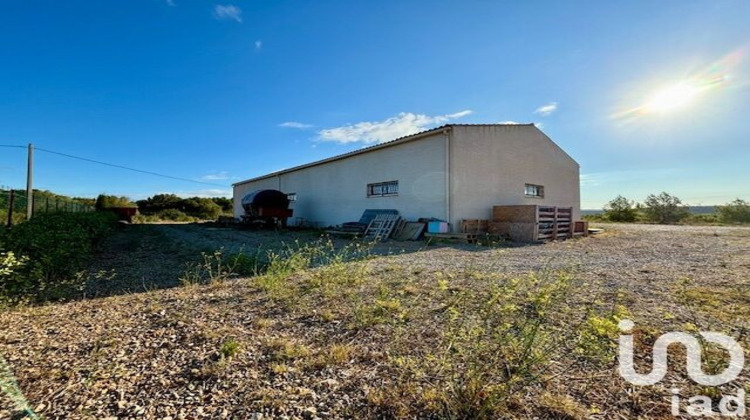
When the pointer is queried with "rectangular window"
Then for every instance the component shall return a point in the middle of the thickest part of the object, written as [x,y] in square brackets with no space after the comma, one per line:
[534,191]
[382,189]
[292,197]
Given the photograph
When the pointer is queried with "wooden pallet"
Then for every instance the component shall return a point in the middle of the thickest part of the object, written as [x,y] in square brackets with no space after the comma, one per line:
[474,225]
[381,227]
[554,222]
[531,223]
[350,234]
[469,238]
[410,231]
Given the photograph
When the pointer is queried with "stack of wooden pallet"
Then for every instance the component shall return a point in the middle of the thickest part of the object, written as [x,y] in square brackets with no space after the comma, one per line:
[382,226]
[554,222]
[531,223]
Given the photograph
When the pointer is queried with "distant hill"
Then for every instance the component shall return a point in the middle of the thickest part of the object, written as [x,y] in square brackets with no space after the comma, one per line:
[702,209]
[692,209]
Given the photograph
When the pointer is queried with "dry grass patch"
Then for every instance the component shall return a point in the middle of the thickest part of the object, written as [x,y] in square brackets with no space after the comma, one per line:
[452,332]
[286,350]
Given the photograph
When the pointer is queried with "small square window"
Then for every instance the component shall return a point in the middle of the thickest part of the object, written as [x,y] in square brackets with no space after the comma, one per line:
[534,191]
[292,197]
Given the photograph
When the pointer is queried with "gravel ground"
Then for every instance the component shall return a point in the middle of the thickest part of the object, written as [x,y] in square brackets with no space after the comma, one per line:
[234,240]
[643,259]
[165,353]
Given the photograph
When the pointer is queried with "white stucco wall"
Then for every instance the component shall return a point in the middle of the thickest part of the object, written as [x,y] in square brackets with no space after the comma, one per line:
[336,192]
[490,165]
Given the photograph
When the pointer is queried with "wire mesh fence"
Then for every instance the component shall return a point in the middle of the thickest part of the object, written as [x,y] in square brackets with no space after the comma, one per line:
[14,202]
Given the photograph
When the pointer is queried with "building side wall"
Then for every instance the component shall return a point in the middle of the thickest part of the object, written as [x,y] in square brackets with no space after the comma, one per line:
[490,165]
[336,192]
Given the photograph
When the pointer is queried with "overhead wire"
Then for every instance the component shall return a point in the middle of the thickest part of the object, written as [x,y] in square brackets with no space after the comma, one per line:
[129,168]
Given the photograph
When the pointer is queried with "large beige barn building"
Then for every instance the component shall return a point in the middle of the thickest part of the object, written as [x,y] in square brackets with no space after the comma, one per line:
[451,173]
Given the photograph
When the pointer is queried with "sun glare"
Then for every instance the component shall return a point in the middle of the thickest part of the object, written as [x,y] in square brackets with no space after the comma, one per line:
[686,91]
[672,97]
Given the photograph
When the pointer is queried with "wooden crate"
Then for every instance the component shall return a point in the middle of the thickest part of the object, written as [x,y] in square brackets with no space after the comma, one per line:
[581,228]
[520,232]
[515,214]
[531,223]
[474,225]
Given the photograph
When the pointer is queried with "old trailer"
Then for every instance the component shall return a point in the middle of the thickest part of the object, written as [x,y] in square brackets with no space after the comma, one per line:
[269,207]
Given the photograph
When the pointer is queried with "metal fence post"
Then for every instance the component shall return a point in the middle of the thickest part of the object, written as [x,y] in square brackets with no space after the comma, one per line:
[10,208]
[29,183]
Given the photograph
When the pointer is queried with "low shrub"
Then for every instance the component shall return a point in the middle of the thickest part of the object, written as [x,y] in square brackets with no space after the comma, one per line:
[51,249]
[174,215]
[595,217]
[702,219]
[169,215]
[217,267]
[496,344]
[18,217]
[738,211]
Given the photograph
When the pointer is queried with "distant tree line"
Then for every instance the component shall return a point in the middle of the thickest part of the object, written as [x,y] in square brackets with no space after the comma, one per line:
[170,206]
[174,207]
[104,202]
[666,209]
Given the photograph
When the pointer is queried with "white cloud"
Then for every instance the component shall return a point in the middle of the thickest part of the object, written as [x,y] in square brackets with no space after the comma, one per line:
[211,192]
[207,193]
[401,125]
[295,124]
[547,109]
[216,176]
[258,45]
[171,3]
[537,124]
[590,180]
[228,12]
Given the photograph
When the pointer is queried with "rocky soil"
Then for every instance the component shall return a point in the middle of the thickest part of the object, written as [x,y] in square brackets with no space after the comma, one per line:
[140,345]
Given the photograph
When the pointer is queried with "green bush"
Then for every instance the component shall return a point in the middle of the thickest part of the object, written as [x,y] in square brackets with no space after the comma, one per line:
[738,211]
[174,215]
[18,217]
[52,249]
[594,217]
[202,208]
[621,210]
[197,207]
[104,201]
[664,208]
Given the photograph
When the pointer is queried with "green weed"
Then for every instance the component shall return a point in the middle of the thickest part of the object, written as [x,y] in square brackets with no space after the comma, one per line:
[230,347]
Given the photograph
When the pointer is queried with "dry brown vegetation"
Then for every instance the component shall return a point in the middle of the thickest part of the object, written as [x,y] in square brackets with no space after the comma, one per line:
[332,330]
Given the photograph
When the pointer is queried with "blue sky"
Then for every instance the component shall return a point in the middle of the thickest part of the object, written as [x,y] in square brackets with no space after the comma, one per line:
[647,96]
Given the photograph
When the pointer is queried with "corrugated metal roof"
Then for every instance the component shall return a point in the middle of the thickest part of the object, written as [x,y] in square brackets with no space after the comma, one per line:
[399,140]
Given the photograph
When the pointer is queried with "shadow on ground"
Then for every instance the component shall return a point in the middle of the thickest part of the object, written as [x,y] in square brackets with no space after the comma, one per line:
[143,257]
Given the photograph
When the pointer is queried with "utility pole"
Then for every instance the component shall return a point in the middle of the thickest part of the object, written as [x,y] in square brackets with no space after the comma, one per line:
[30,183]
